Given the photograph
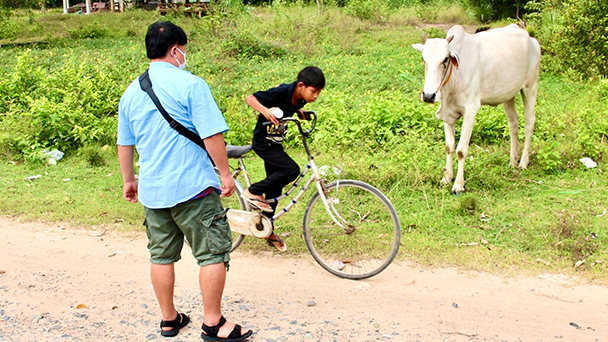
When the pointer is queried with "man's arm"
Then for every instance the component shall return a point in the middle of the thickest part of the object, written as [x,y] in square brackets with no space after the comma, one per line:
[125,158]
[217,151]
[254,103]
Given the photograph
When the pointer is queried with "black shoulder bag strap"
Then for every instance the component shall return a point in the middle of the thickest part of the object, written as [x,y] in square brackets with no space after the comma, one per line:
[146,85]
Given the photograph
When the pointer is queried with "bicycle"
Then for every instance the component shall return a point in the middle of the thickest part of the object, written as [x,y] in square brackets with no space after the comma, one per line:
[351,229]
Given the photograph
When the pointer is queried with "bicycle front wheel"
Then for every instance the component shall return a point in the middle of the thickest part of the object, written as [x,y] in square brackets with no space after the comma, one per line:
[371,233]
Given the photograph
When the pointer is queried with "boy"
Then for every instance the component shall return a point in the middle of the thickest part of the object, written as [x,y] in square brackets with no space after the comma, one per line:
[267,140]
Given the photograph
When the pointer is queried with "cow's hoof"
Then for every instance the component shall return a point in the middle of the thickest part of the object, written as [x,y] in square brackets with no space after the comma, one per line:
[457,192]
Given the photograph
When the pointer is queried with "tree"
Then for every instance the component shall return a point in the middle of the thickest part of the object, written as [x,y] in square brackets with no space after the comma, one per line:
[583,42]
[498,9]
[573,32]
[13,4]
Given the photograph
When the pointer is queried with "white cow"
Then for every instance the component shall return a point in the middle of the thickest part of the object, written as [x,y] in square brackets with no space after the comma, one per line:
[466,71]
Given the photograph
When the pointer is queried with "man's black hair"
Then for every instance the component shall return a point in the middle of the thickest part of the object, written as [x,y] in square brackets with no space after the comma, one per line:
[312,76]
[161,35]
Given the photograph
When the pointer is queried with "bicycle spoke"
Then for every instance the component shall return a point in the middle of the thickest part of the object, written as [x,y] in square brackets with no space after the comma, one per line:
[371,233]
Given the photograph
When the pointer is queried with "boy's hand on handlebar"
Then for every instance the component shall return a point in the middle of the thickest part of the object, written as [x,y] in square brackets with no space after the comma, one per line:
[303,115]
[269,115]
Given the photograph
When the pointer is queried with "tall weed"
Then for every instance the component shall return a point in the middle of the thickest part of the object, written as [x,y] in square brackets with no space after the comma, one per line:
[92,30]
[376,10]
[246,44]
[73,106]
[371,99]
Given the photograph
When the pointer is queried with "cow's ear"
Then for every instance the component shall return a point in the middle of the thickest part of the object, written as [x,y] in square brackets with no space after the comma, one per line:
[419,47]
[454,57]
[449,39]
[455,61]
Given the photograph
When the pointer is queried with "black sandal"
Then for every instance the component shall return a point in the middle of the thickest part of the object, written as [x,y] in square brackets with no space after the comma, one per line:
[179,322]
[274,238]
[210,333]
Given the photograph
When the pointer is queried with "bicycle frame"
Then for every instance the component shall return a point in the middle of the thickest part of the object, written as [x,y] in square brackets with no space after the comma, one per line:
[315,177]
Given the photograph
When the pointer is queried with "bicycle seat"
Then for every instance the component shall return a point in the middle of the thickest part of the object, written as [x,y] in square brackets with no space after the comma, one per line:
[237,151]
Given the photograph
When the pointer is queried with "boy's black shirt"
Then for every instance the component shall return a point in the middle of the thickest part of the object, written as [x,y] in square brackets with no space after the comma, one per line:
[275,97]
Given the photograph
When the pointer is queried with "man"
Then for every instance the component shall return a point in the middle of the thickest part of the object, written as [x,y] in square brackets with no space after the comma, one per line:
[177,184]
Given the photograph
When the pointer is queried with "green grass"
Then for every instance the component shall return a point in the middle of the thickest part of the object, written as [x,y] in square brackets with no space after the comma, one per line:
[523,215]
[372,126]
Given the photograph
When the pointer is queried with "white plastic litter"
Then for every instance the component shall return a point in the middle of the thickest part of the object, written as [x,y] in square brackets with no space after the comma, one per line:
[338,265]
[278,113]
[53,156]
[588,162]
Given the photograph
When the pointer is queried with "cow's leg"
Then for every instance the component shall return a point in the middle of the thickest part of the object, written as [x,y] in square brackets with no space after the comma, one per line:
[450,145]
[513,127]
[468,120]
[529,99]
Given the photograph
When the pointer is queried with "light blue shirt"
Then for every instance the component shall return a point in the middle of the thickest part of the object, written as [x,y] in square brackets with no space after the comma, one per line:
[172,169]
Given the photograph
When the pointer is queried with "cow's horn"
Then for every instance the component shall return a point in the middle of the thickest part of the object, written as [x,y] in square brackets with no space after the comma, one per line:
[424,38]
[449,39]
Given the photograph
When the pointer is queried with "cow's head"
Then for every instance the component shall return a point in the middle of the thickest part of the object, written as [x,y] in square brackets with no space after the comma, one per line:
[439,60]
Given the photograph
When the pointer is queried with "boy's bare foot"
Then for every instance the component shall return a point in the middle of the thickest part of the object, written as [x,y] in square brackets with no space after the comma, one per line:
[275,241]
[256,201]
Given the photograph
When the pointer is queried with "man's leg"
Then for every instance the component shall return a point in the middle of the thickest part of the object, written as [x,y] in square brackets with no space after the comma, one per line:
[165,241]
[163,281]
[205,226]
[212,279]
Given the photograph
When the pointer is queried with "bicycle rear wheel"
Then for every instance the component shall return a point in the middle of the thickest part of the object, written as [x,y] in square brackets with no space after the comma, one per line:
[370,239]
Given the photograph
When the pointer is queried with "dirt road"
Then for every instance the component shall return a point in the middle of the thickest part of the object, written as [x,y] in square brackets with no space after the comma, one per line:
[65,285]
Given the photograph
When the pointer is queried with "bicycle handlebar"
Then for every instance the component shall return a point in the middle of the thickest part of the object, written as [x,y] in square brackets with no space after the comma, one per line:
[303,132]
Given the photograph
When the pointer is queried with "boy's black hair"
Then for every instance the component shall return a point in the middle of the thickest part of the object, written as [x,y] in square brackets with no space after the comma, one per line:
[161,35]
[312,76]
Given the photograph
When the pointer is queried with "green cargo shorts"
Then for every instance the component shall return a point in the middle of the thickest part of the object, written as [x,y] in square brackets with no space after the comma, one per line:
[201,221]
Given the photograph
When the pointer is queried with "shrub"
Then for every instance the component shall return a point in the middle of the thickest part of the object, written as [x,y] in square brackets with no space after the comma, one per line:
[573,34]
[246,44]
[93,155]
[69,108]
[468,204]
[89,31]
[592,131]
[7,4]
[548,157]
[491,125]
[484,12]
[64,95]
[453,14]
[375,10]
[8,29]
[434,32]
[585,34]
